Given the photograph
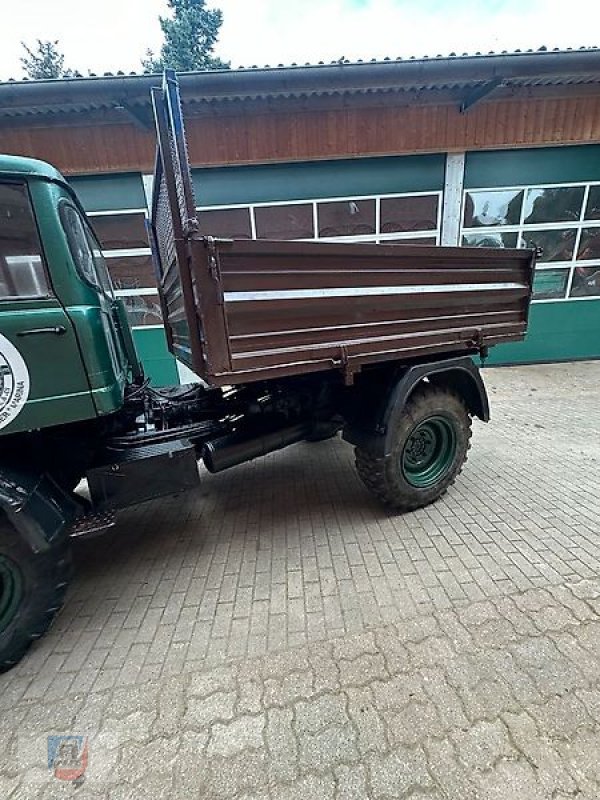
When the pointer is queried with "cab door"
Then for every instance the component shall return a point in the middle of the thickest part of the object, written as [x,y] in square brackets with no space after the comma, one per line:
[43,381]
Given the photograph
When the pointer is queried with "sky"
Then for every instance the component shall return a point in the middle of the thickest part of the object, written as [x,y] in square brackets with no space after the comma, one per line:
[111,35]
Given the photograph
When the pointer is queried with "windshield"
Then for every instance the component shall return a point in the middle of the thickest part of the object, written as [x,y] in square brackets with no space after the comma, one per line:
[85,250]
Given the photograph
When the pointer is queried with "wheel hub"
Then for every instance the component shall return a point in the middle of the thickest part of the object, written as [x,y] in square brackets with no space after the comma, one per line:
[429,452]
[11,590]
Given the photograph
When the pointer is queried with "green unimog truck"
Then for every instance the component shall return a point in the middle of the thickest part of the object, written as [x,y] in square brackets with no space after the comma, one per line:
[291,342]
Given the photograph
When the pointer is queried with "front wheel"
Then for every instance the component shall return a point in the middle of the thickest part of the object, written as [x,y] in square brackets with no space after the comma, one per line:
[429,448]
[32,591]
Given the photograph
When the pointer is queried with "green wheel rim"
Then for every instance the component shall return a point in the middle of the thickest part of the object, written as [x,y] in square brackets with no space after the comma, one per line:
[429,452]
[11,591]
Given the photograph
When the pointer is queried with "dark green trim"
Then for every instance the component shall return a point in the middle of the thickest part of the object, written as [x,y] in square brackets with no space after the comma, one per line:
[307,180]
[496,168]
[561,331]
[110,192]
[158,364]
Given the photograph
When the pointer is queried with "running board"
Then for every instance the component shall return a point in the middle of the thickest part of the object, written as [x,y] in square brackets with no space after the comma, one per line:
[92,524]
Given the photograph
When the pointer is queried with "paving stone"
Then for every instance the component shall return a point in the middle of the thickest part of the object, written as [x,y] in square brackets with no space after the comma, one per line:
[293,687]
[351,647]
[233,775]
[362,670]
[483,744]
[394,775]
[367,721]
[351,782]
[249,697]
[322,751]
[510,780]
[282,745]
[312,787]
[562,716]
[204,711]
[324,710]
[551,772]
[446,769]
[242,733]
[221,679]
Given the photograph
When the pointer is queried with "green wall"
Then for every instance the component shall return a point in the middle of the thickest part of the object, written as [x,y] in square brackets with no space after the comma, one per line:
[497,168]
[311,179]
[561,331]
[110,192]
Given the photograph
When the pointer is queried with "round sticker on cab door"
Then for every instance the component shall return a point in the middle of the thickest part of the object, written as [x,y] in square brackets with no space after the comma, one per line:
[14,382]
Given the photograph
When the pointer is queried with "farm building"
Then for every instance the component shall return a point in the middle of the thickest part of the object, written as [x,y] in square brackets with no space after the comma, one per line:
[500,150]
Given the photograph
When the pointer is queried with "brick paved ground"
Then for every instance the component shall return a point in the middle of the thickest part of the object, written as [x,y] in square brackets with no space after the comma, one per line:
[278,635]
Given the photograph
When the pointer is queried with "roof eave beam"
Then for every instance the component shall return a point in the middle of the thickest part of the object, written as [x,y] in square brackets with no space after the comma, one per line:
[479,93]
[140,117]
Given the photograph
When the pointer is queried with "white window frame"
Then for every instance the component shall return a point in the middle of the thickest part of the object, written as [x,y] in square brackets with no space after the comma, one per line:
[521,227]
[376,237]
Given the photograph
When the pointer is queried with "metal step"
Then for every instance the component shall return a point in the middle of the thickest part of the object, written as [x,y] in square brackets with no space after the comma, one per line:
[92,524]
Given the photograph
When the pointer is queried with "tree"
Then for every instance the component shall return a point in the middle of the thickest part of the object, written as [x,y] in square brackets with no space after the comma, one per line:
[45,61]
[190,37]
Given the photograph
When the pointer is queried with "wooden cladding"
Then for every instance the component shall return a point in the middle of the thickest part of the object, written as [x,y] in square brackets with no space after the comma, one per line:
[258,133]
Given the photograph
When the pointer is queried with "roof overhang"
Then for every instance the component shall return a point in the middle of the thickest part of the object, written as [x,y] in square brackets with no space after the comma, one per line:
[470,78]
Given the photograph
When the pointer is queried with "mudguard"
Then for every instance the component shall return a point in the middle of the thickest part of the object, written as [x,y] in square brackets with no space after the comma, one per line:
[36,506]
[371,429]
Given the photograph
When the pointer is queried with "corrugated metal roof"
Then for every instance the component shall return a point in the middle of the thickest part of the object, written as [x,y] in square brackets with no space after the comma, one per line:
[471,73]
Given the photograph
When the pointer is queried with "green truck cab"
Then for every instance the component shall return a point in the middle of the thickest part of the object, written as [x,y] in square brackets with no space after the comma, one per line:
[293,342]
[58,309]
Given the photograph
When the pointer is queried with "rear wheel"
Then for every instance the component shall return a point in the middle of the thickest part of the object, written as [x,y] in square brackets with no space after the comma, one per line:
[429,448]
[32,591]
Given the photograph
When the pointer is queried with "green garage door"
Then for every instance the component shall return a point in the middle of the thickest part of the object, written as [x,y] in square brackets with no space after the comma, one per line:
[547,198]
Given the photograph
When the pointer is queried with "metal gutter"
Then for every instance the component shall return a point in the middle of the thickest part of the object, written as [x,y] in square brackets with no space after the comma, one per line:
[82,94]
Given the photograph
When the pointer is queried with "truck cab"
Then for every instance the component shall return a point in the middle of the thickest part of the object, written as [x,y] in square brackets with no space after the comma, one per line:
[67,349]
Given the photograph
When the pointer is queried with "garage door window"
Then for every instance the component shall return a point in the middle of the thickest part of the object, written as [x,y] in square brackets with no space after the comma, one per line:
[562,222]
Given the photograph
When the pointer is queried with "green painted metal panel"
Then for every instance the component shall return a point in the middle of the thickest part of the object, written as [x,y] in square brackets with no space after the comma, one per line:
[110,192]
[494,168]
[159,365]
[306,180]
[561,331]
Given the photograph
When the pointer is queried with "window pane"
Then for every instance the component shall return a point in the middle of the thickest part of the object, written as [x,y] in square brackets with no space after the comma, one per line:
[230,223]
[346,218]
[284,222]
[592,209]
[144,310]
[553,205]
[121,231]
[483,209]
[550,283]
[589,244]
[132,272]
[85,249]
[555,245]
[586,282]
[490,239]
[408,213]
[22,272]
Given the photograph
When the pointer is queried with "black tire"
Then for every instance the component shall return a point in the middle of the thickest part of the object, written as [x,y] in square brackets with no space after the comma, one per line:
[388,479]
[32,591]
[321,431]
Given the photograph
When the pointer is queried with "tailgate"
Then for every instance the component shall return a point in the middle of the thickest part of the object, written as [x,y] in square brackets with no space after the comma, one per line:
[190,297]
